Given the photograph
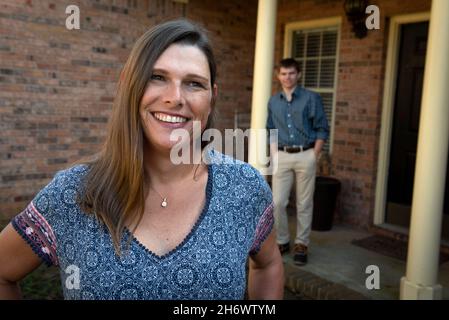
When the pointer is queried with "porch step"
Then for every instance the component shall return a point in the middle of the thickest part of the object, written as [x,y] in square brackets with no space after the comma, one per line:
[306,285]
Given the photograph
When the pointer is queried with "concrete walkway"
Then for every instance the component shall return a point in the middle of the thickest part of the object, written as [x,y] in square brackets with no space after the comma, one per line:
[337,268]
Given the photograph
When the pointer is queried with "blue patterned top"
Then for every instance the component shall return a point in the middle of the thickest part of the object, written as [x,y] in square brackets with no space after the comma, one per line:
[209,264]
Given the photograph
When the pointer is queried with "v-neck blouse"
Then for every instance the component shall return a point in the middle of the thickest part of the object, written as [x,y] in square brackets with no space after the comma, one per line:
[210,263]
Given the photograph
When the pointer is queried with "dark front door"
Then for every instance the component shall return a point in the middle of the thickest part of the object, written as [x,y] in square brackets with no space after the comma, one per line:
[407,108]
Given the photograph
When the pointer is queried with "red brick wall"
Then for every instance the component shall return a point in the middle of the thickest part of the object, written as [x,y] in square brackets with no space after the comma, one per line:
[57,85]
[233,28]
[359,97]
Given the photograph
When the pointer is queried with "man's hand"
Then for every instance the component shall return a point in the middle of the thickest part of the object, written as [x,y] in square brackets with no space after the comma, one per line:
[318,146]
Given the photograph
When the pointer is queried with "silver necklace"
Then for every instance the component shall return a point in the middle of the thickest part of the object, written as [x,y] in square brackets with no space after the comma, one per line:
[164,202]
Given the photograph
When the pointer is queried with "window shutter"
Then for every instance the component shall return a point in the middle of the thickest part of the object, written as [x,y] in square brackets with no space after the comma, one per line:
[316,52]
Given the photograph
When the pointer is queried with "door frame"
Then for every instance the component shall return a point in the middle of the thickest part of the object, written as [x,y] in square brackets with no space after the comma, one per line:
[388,110]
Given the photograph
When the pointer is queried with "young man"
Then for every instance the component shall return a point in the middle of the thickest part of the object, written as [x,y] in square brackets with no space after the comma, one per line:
[299,116]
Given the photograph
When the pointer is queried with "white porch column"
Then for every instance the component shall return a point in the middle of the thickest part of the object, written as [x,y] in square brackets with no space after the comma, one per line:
[262,78]
[420,281]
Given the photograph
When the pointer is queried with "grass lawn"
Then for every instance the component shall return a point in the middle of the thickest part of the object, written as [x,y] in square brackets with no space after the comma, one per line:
[43,283]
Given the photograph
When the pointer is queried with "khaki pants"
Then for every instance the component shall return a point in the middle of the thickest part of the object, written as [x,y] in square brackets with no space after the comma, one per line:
[301,165]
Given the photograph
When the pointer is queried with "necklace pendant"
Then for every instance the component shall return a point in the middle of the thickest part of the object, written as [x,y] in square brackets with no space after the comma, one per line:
[164,203]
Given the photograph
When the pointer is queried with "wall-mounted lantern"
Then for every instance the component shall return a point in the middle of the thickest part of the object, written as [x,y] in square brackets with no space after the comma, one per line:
[355,12]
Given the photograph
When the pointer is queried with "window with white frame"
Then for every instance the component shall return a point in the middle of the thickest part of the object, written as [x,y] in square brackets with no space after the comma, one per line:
[316,51]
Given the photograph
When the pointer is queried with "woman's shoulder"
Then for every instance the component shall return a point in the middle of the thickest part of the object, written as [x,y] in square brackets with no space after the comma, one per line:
[238,172]
[69,178]
[74,171]
[72,175]
[241,187]
[229,163]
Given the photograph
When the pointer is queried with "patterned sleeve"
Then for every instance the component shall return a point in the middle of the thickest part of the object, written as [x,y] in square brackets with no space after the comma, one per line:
[41,223]
[263,229]
[38,222]
[37,232]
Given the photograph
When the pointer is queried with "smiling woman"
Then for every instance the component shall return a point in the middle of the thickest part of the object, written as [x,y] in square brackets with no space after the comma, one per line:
[135,225]
[178,93]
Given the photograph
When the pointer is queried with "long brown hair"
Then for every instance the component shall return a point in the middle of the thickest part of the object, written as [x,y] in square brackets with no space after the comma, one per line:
[114,186]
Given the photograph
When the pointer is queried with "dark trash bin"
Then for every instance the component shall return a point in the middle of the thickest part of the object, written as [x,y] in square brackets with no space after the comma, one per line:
[324,202]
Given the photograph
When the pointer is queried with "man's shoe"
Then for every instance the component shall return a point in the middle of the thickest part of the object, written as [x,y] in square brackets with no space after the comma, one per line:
[300,254]
[284,248]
